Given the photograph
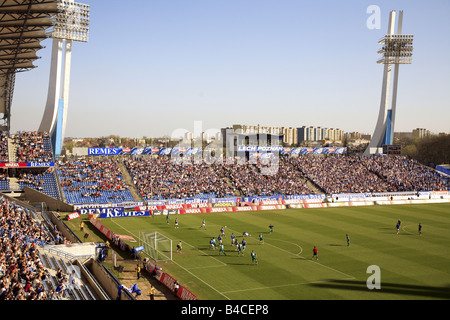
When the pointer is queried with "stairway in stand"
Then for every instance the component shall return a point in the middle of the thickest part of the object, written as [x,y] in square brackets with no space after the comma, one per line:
[11,150]
[129,181]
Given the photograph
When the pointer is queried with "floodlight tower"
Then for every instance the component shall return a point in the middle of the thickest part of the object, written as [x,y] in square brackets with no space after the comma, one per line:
[71,23]
[397,49]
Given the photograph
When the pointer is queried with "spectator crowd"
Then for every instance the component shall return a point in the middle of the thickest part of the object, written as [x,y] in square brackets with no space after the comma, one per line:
[31,180]
[92,179]
[265,178]
[4,156]
[22,274]
[33,147]
[344,174]
[162,178]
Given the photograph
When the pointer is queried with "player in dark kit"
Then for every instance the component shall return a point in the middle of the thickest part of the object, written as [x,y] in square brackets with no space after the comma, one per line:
[315,254]
[233,237]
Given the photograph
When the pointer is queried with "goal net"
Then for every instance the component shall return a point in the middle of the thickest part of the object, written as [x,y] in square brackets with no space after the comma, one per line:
[157,246]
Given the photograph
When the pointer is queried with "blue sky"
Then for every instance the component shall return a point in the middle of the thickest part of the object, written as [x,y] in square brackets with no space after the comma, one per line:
[155,66]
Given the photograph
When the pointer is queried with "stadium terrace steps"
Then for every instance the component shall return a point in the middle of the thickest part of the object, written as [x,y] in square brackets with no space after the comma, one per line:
[314,187]
[11,150]
[51,264]
[87,182]
[14,184]
[129,181]
[237,193]
[47,184]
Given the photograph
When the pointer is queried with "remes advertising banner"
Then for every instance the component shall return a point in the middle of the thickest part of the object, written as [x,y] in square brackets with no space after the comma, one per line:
[23,165]
[143,151]
[125,214]
[104,151]
[198,151]
[115,210]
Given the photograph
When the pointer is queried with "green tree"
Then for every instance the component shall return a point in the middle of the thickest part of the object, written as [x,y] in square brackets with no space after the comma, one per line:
[434,149]
[410,150]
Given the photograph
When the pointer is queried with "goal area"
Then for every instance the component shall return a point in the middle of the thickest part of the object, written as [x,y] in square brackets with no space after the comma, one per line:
[157,246]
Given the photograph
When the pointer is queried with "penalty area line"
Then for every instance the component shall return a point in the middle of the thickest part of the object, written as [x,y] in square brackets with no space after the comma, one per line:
[299,255]
[180,266]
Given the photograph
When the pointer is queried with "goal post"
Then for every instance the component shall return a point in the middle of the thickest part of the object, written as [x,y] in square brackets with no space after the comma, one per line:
[157,246]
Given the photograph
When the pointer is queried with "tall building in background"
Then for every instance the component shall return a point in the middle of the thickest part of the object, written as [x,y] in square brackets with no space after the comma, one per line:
[71,23]
[290,137]
[420,133]
[316,134]
[397,49]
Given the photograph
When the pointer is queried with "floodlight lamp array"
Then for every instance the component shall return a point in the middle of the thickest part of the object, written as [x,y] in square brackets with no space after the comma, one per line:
[397,49]
[72,21]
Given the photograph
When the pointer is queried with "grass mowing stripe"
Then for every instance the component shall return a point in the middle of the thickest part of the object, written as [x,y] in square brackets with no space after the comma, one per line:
[285,270]
[183,268]
[252,240]
[287,241]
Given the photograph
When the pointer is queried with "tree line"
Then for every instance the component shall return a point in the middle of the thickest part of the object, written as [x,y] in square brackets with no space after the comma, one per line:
[431,150]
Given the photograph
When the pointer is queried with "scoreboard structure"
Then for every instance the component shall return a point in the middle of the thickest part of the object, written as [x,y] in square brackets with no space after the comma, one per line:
[392,149]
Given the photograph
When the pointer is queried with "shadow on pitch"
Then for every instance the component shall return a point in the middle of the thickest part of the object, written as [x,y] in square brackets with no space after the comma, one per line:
[393,288]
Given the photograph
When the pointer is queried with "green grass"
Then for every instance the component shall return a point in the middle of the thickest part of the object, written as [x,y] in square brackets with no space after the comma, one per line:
[412,266]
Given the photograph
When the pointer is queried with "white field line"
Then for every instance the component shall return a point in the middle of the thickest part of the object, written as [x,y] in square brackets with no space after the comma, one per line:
[405,227]
[224,264]
[299,255]
[195,276]
[206,283]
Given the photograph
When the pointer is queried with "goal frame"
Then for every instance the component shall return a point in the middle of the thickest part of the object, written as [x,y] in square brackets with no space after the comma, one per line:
[152,248]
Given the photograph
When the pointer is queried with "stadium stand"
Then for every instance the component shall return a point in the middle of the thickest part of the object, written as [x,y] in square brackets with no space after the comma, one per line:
[354,174]
[161,178]
[29,273]
[26,271]
[340,174]
[404,174]
[33,147]
[4,182]
[28,147]
[44,182]
[89,181]
[4,155]
[266,179]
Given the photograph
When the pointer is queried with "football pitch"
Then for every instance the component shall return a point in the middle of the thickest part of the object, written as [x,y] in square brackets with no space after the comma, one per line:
[410,266]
